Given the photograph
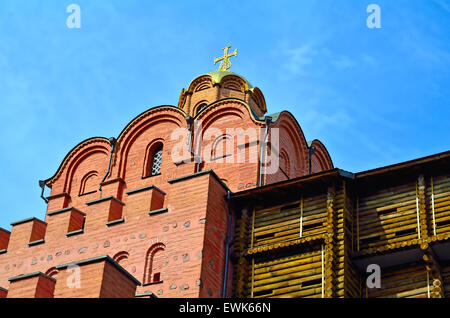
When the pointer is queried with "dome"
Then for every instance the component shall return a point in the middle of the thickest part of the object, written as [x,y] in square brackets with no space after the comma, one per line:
[215,85]
[218,75]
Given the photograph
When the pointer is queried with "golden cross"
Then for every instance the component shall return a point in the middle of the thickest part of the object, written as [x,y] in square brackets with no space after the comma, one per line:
[225,64]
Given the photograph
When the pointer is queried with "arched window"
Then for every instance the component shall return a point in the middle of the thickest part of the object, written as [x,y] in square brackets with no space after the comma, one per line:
[200,108]
[156,161]
[154,263]
[153,160]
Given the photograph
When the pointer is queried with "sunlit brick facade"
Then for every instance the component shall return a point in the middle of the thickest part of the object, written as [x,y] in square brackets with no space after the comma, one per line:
[213,198]
[163,234]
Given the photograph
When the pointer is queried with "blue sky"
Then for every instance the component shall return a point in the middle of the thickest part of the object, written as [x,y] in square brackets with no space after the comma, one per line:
[373,96]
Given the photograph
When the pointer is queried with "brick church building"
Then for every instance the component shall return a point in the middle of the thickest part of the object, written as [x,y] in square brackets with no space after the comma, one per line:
[213,198]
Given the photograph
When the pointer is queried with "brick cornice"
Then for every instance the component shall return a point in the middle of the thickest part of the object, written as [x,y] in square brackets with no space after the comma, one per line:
[112,181]
[75,233]
[41,241]
[104,199]
[114,222]
[159,211]
[59,195]
[100,259]
[146,294]
[150,187]
[198,174]
[26,220]
[24,276]
[65,210]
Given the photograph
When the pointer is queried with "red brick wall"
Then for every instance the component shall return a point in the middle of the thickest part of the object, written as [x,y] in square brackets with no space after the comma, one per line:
[91,155]
[58,225]
[91,282]
[76,221]
[38,230]
[26,232]
[214,241]
[315,163]
[140,203]
[37,286]
[99,279]
[58,201]
[115,284]
[293,144]
[232,115]
[4,238]
[3,293]
[321,159]
[45,287]
[101,212]
[193,229]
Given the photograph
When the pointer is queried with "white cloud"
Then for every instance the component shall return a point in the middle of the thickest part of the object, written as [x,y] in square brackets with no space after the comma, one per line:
[368,59]
[298,59]
[320,120]
[342,62]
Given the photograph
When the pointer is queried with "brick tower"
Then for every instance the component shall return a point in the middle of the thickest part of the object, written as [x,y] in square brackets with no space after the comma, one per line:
[147,213]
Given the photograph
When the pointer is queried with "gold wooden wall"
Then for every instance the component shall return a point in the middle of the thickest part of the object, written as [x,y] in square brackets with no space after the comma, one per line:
[407,215]
[386,217]
[297,249]
[409,280]
[438,204]
[310,246]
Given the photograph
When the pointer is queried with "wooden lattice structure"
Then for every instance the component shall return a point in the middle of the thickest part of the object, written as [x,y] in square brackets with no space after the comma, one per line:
[314,236]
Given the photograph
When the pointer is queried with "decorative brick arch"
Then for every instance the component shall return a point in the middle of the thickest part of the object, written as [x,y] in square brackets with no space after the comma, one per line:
[205,84]
[214,115]
[200,106]
[293,141]
[52,272]
[220,148]
[75,170]
[230,106]
[321,159]
[167,115]
[199,83]
[122,258]
[259,99]
[153,263]
[229,113]
[89,182]
[285,163]
[234,83]
[225,181]
[63,178]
